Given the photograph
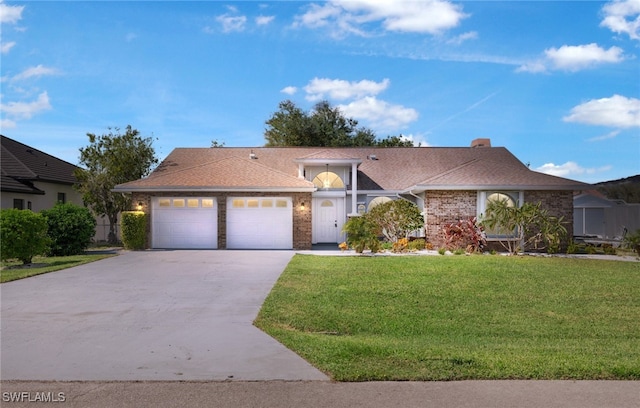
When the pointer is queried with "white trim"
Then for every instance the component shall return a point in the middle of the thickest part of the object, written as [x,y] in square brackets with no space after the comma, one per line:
[216,190]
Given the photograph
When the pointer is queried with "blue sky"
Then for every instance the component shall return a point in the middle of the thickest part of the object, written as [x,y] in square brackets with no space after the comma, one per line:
[557,83]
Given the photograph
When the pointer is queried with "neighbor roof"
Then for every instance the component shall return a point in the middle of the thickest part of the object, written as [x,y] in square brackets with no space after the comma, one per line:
[398,169]
[22,165]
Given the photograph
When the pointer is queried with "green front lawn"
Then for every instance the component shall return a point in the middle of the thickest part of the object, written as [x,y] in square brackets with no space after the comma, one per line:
[453,318]
[13,270]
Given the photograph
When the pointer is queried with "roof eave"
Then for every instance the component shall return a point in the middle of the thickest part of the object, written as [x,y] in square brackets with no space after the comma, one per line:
[328,161]
[174,189]
[486,187]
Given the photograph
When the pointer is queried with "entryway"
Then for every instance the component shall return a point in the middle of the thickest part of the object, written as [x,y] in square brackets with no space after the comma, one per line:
[328,219]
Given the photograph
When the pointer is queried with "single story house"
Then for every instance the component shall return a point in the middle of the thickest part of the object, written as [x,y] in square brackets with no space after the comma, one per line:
[293,197]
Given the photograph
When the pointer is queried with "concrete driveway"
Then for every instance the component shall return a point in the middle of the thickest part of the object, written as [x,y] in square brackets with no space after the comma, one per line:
[152,315]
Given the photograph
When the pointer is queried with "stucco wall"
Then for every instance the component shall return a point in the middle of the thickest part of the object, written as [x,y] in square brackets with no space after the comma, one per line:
[43,202]
[301,218]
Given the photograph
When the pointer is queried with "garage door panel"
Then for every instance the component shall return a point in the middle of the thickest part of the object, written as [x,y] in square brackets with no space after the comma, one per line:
[267,224]
[185,223]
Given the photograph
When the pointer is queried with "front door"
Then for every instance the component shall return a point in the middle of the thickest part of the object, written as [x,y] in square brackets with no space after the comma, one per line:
[326,217]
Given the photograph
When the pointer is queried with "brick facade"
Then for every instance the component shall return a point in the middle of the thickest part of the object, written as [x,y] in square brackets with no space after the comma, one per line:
[558,204]
[301,218]
[444,207]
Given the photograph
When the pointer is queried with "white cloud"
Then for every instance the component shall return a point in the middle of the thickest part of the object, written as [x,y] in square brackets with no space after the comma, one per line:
[5,48]
[607,136]
[10,14]
[570,169]
[622,17]
[264,20]
[25,110]
[289,90]
[617,111]
[471,35]
[348,16]
[36,71]
[417,140]
[574,58]
[7,124]
[232,23]
[382,115]
[321,88]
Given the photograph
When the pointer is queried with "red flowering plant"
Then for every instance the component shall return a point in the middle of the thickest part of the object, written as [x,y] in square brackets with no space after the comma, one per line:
[464,234]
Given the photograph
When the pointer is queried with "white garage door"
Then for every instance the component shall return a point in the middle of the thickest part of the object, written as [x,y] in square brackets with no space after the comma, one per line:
[259,223]
[184,223]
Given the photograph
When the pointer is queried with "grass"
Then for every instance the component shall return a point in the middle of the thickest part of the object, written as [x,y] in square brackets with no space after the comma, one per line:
[13,270]
[455,318]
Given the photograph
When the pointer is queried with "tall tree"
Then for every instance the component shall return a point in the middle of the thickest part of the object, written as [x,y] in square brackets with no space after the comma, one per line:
[112,159]
[324,125]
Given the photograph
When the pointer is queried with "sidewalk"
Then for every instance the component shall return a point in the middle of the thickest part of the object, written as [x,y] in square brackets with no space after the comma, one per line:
[301,394]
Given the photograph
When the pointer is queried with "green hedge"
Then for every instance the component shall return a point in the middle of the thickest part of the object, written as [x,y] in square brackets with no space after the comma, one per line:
[23,235]
[134,229]
[71,228]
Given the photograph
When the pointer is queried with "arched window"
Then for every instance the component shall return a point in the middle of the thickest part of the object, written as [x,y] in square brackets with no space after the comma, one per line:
[327,180]
[377,201]
[510,202]
[498,197]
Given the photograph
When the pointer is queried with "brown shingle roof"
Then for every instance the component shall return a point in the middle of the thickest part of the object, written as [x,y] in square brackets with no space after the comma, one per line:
[396,169]
[229,173]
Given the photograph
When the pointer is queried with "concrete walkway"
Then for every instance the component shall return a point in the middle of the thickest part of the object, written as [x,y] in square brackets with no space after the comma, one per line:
[151,315]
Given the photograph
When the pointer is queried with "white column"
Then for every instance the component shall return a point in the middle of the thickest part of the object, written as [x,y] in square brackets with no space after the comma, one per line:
[354,188]
[301,171]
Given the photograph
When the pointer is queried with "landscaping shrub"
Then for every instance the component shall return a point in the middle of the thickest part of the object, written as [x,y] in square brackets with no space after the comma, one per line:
[23,235]
[400,245]
[417,244]
[134,229]
[396,219]
[632,241]
[361,234]
[464,234]
[70,228]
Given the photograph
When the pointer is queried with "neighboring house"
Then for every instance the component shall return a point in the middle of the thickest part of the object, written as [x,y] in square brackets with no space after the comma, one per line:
[33,180]
[293,197]
[596,217]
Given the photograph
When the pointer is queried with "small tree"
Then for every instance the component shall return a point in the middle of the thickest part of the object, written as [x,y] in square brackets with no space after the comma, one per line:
[396,219]
[70,228]
[525,227]
[113,159]
[23,235]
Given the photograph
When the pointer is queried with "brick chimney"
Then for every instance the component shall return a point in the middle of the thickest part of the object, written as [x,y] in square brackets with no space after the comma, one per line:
[482,142]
